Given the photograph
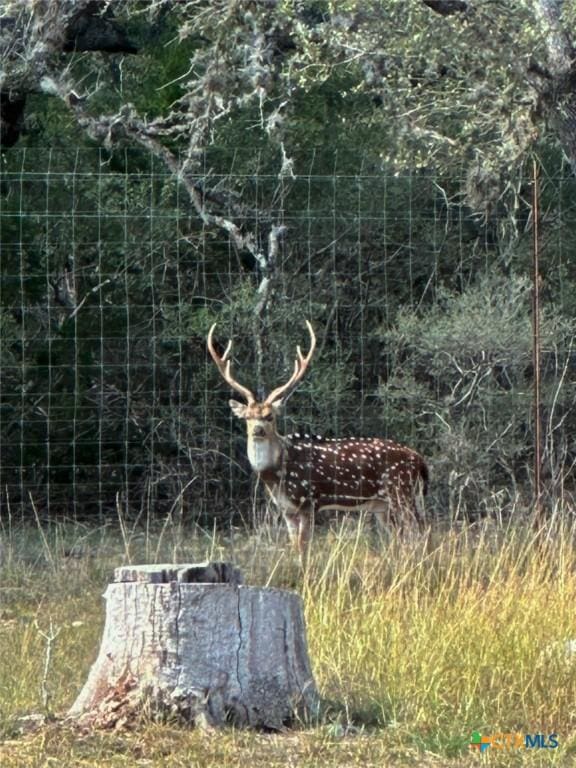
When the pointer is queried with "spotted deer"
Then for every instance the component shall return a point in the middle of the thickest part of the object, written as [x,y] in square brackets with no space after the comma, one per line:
[305,474]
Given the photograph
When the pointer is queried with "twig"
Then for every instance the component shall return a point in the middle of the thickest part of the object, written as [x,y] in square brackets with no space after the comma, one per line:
[49,637]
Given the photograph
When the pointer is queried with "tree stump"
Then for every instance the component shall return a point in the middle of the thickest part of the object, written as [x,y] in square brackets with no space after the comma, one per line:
[190,642]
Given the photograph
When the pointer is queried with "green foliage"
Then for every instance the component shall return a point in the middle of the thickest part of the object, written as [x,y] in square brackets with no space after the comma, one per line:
[464,369]
[414,88]
[110,284]
[435,90]
[392,148]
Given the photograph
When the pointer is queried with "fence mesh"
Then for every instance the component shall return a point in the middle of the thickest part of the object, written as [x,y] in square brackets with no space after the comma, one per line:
[111,278]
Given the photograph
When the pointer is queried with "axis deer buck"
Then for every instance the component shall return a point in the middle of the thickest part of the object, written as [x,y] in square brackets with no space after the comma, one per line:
[305,474]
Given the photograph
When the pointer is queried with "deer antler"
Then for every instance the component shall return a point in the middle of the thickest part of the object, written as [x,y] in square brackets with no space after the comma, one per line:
[224,364]
[300,365]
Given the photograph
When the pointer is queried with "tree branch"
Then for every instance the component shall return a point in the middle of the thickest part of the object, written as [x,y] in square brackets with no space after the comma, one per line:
[447,7]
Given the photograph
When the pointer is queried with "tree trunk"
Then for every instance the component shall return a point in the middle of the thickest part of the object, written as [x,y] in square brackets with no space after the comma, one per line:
[559,96]
[203,653]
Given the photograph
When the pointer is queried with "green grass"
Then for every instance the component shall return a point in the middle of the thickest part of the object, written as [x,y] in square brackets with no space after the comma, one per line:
[414,645]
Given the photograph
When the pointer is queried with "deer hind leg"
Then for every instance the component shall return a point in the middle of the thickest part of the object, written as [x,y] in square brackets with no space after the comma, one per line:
[383,520]
[396,511]
[408,513]
[412,523]
[419,505]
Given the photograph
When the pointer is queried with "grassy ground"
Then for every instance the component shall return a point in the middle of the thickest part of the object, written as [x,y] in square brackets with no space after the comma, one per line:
[414,646]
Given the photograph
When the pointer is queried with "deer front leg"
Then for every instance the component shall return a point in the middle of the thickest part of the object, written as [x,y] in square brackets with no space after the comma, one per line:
[299,529]
[304,532]
[293,525]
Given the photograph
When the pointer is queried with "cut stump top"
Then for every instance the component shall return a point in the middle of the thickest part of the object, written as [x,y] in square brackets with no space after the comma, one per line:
[187,573]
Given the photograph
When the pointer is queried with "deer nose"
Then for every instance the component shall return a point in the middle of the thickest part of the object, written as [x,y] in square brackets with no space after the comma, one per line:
[259,431]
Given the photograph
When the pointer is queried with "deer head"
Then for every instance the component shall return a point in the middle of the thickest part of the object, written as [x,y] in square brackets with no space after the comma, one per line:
[264,443]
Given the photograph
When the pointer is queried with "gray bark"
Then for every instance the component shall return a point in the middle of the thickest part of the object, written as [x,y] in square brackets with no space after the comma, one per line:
[557,85]
[203,653]
[33,35]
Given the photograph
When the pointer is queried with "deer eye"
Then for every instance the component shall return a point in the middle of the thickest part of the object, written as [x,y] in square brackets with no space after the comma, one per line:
[269,417]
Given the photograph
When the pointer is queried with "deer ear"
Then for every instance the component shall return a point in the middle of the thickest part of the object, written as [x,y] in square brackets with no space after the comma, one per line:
[278,405]
[238,409]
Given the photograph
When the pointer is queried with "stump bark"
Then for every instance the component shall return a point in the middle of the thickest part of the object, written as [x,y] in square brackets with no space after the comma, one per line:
[191,642]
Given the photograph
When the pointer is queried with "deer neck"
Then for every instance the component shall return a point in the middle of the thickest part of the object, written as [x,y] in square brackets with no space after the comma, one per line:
[265,453]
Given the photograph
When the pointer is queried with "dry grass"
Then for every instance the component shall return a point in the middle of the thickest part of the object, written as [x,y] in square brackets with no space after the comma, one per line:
[414,646]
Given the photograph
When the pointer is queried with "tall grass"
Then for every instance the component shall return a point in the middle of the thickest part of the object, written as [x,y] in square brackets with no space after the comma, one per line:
[464,631]
[415,644]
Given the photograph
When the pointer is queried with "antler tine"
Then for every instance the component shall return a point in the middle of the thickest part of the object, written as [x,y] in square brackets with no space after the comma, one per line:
[228,348]
[224,366]
[300,365]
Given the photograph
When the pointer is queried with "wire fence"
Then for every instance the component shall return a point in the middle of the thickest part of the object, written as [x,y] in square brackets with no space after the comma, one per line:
[111,277]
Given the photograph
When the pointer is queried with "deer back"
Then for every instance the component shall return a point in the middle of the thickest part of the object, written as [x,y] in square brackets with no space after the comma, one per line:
[348,472]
